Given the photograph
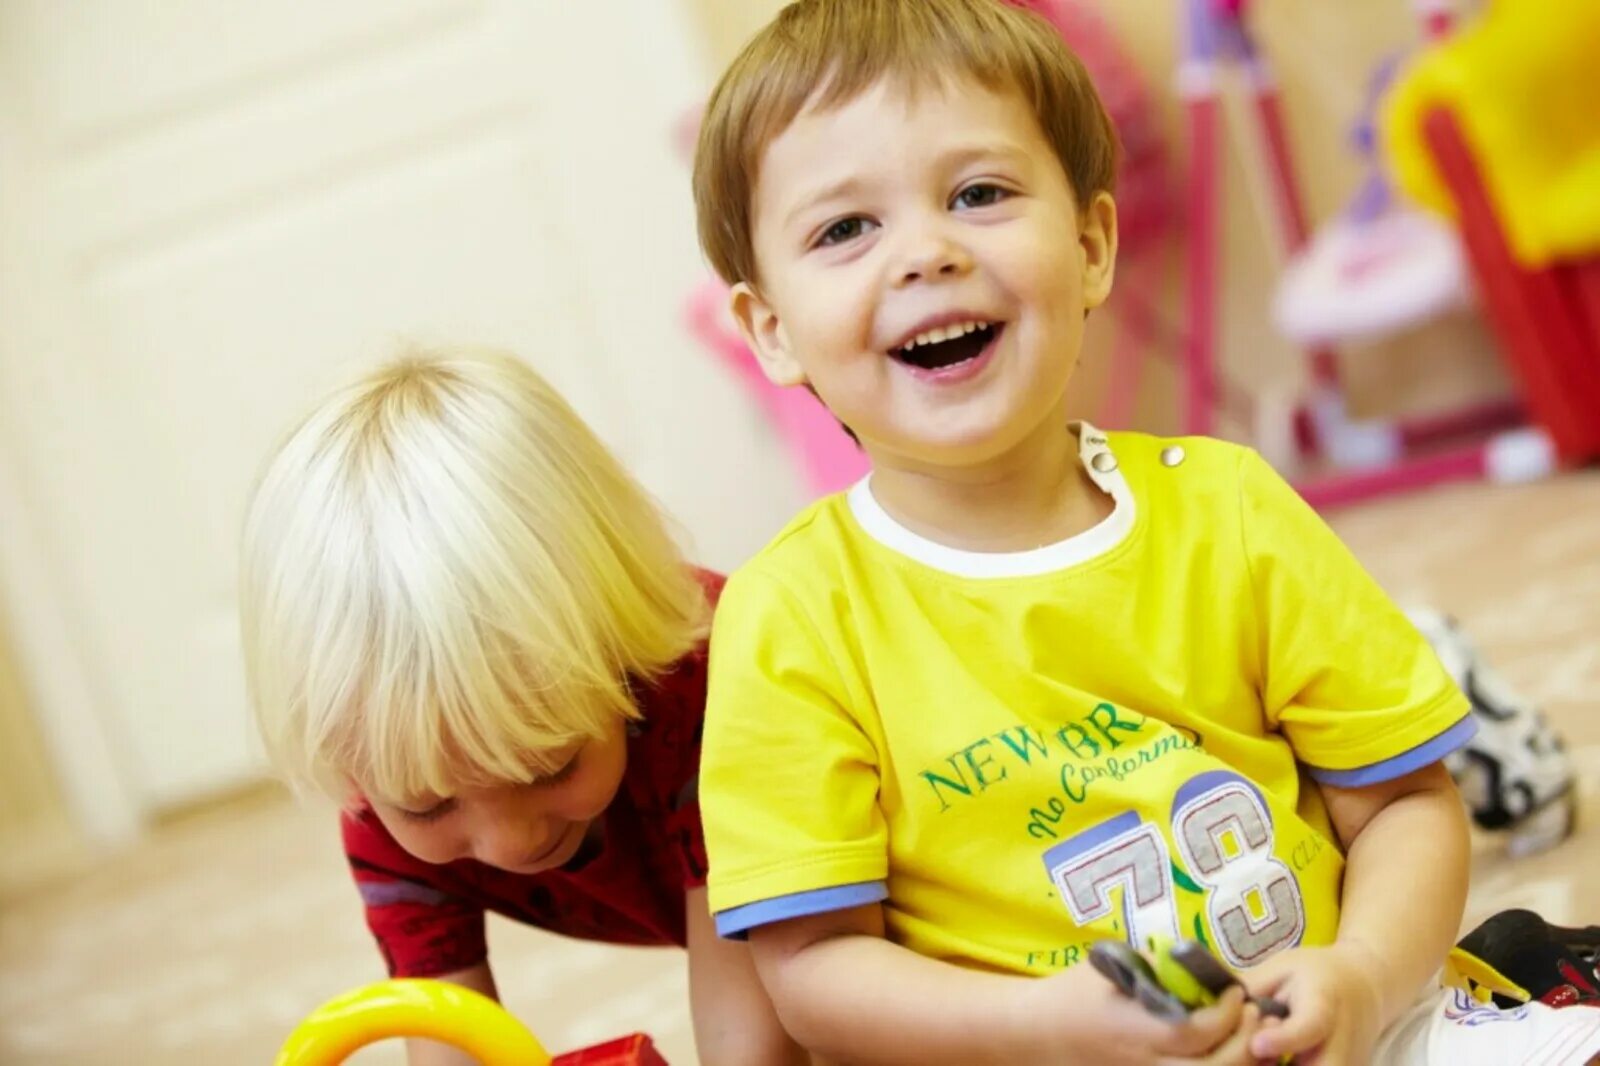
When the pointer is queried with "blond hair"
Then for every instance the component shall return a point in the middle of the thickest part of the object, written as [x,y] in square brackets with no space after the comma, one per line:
[824,53]
[446,579]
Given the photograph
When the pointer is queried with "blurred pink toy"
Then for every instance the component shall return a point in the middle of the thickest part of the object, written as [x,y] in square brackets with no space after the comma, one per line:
[829,459]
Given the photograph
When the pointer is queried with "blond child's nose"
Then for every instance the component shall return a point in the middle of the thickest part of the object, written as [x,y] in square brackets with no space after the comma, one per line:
[511,847]
[509,835]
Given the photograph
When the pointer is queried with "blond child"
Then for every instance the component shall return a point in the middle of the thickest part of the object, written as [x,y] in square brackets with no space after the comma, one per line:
[1031,685]
[465,623]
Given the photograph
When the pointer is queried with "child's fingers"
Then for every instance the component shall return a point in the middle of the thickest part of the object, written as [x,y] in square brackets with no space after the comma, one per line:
[1269,978]
[1306,1027]
[1235,1051]
[1207,1028]
[1235,1047]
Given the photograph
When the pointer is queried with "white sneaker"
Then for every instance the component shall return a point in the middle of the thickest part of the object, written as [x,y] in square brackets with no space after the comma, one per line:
[1514,774]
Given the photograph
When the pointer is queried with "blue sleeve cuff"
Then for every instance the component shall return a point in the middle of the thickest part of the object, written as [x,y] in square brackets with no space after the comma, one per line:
[736,923]
[1424,754]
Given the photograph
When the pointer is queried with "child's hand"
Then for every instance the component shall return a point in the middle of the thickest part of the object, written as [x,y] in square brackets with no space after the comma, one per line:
[1335,1009]
[1081,1017]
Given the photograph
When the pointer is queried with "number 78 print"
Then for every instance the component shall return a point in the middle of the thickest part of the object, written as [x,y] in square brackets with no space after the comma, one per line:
[1224,834]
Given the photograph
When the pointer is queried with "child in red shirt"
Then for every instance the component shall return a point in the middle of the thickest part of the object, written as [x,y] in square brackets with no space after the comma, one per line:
[465,622]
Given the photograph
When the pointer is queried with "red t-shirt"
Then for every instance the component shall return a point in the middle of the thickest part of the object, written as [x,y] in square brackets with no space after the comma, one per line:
[627,887]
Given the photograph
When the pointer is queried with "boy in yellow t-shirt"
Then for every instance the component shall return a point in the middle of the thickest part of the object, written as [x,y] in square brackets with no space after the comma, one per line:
[1032,685]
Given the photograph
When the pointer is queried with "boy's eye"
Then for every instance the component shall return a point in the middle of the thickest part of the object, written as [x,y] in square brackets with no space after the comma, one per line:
[429,814]
[846,229]
[981,194]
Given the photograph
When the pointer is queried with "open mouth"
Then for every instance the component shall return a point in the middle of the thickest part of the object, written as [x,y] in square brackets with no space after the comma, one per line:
[946,346]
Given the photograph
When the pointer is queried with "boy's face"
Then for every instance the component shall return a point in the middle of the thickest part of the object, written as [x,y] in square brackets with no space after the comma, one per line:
[524,829]
[891,222]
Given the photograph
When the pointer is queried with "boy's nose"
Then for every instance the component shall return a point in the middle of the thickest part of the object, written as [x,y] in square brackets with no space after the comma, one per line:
[931,257]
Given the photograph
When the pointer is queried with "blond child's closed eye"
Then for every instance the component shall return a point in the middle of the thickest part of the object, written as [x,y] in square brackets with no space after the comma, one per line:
[428,814]
[424,812]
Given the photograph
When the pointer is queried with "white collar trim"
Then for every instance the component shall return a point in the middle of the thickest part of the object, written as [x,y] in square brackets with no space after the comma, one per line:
[1073,551]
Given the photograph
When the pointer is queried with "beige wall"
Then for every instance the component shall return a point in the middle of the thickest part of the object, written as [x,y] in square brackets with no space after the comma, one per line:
[1322,54]
[724,25]
[37,838]
[353,177]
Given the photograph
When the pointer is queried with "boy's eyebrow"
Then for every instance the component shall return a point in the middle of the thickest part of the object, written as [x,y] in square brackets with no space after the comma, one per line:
[952,159]
[837,190]
[969,153]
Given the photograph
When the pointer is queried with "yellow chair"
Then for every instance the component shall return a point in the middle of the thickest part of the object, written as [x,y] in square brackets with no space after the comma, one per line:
[406,1007]
[1522,81]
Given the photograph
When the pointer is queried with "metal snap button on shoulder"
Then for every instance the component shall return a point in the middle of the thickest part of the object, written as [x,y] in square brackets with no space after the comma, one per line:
[1172,455]
[1104,462]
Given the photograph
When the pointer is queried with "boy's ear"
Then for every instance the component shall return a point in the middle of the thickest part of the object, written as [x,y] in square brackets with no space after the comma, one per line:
[765,335]
[1097,240]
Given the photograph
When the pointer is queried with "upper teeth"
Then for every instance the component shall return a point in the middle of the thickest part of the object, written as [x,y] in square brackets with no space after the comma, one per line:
[940,334]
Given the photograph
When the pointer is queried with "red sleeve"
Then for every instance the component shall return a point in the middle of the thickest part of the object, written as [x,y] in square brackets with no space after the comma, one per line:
[682,806]
[421,928]
[674,709]
[683,698]
[712,582]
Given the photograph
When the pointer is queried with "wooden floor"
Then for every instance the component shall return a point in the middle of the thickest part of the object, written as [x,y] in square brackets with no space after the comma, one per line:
[209,942]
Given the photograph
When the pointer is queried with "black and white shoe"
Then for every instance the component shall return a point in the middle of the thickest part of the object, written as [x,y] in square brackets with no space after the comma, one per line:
[1514,774]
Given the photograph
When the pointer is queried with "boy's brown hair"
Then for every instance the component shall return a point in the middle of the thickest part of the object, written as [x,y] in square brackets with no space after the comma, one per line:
[834,50]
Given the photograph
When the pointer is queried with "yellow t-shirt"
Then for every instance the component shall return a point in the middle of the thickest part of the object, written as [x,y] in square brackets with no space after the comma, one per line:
[1112,736]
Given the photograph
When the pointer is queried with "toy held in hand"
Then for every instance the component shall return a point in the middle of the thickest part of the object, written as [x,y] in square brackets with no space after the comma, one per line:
[1174,978]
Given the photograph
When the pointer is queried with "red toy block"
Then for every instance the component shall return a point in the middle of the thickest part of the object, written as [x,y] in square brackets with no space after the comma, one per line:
[634,1050]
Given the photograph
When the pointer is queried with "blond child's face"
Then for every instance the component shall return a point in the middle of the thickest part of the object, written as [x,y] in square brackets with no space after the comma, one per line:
[926,268]
[524,829]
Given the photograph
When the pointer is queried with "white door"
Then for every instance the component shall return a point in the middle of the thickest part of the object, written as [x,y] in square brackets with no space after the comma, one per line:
[211,206]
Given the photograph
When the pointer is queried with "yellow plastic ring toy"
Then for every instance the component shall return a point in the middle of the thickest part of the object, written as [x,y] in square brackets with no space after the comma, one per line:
[434,1010]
